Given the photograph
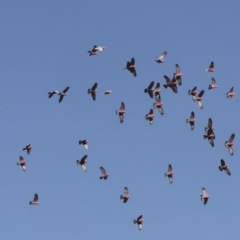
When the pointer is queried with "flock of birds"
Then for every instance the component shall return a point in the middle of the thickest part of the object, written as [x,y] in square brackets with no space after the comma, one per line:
[153,92]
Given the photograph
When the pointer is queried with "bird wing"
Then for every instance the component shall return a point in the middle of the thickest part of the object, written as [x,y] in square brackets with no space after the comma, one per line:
[35,199]
[177,69]
[151,85]
[211,65]
[122,106]
[83,160]
[132,61]
[151,111]
[126,192]
[139,218]
[210,123]
[167,79]
[169,168]
[222,162]
[201,93]
[162,56]
[121,117]
[103,171]
[192,115]
[21,158]
[93,95]
[65,90]
[213,81]
[231,138]
[60,98]
[94,86]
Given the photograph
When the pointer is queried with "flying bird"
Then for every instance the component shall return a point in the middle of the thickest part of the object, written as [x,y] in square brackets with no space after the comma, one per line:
[169,173]
[84,143]
[172,84]
[229,144]
[22,163]
[104,173]
[159,104]
[150,90]
[107,92]
[213,85]
[224,167]
[193,92]
[205,196]
[93,51]
[210,136]
[150,116]
[50,94]
[210,68]
[35,200]
[210,126]
[230,93]
[125,196]
[83,162]
[199,98]
[139,221]
[191,120]
[157,90]
[28,148]
[63,94]
[121,112]
[178,75]
[131,67]
[93,91]
[161,58]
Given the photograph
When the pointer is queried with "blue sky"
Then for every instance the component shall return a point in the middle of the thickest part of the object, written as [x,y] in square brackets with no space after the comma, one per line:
[43,47]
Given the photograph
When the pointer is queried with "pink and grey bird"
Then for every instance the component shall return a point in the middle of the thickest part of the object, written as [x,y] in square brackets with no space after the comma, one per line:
[205,196]
[229,144]
[35,200]
[131,67]
[199,99]
[150,90]
[121,112]
[210,136]
[22,163]
[139,222]
[178,75]
[93,91]
[28,148]
[169,173]
[107,92]
[125,195]
[159,104]
[161,58]
[224,167]
[193,92]
[84,143]
[104,173]
[63,94]
[83,162]
[210,68]
[172,84]
[213,85]
[191,120]
[150,116]
[50,94]
[93,51]
[230,93]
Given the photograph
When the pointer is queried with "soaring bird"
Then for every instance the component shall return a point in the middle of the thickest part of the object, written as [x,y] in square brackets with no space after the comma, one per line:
[139,221]
[83,162]
[193,92]
[28,148]
[121,112]
[22,163]
[169,173]
[93,91]
[35,200]
[213,85]
[131,67]
[191,120]
[50,94]
[205,196]
[172,84]
[104,173]
[229,144]
[210,136]
[230,93]
[84,143]
[224,167]
[210,68]
[150,90]
[178,75]
[159,104]
[63,94]
[199,98]
[161,58]
[125,196]
[107,92]
[150,116]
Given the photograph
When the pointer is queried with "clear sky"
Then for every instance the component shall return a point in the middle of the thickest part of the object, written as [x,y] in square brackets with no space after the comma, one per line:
[43,47]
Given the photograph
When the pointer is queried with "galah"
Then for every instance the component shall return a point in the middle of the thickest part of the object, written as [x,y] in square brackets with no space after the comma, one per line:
[191,120]
[125,196]
[199,98]
[172,84]
[178,75]
[210,68]
[193,92]
[121,112]
[159,104]
[150,90]
[28,148]
[104,173]
[131,67]
[107,92]
[50,94]
[93,91]
[213,85]
[139,221]
[63,94]
[84,143]
[157,90]
[224,167]
[161,58]
[150,116]
[230,93]
[229,144]
[83,162]
[35,200]
[205,196]
[93,51]
[22,163]
[210,126]
[169,173]
[210,136]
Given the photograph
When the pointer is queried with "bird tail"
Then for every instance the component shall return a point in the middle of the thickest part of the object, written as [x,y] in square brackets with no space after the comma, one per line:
[18,163]
[220,168]
[145,90]
[30,203]
[165,174]
[78,162]
[134,221]
[189,92]
[89,90]
[165,85]
[121,196]
[146,117]
[24,149]
[101,177]
[80,142]
[227,95]
[187,120]
[154,105]
[205,136]
[117,112]
[210,87]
